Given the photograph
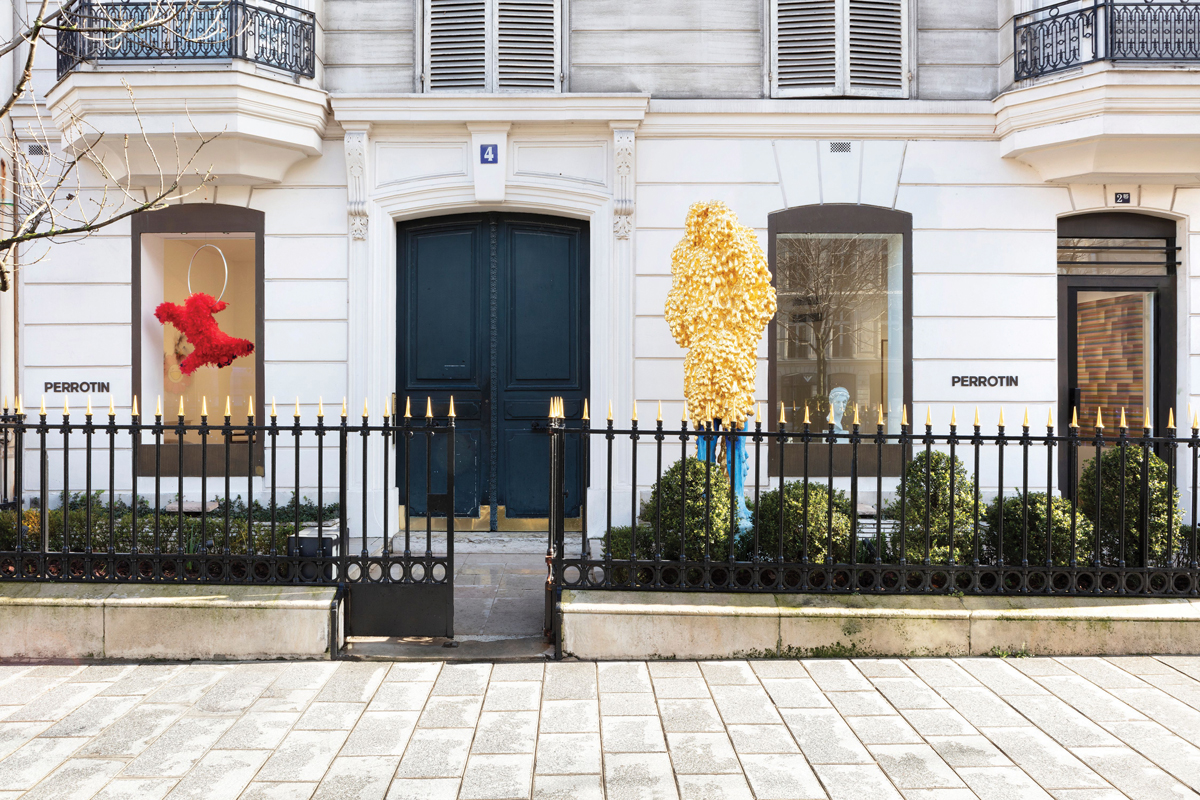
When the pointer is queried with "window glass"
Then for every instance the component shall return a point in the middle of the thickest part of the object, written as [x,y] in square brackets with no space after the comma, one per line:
[1092,256]
[209,383]
[840,327]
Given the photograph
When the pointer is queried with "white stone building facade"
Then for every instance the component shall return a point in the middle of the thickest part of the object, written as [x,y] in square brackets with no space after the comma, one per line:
[627,114]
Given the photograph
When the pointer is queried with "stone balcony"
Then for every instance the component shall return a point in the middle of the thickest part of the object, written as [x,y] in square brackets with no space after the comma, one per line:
[250,80]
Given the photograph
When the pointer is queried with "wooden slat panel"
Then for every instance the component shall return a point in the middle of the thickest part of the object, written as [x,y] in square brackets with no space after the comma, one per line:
[457,45]
[527,46]
[806,34]
[876,54]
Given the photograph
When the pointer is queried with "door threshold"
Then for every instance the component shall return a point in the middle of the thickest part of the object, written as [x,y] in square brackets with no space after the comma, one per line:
[483,523]
[436,648]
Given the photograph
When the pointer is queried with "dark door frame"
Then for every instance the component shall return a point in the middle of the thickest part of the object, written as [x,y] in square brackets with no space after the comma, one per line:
[491,252]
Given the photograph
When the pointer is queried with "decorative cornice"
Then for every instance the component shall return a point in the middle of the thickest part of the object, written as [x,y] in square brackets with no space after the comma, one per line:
[819,119]
[426,108]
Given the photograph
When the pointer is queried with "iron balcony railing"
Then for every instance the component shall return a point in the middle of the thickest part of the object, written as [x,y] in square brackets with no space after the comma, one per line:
[269,33]
[953,511]
[97,500]
[1077,32]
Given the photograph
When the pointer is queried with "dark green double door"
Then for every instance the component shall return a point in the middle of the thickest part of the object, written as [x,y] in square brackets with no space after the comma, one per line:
[493,310]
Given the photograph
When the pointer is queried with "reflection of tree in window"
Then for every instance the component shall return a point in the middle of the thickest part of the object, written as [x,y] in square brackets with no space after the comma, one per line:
[835,287]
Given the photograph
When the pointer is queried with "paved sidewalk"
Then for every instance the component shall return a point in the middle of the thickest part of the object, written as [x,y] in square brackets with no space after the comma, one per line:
[935,729]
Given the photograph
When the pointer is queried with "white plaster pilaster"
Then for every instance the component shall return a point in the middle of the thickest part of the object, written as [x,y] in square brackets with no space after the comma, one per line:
[356,180]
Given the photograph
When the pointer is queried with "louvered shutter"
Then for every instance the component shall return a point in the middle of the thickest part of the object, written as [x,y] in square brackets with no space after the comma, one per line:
[456,45]
[805,51]
[838,47]
[527,45]
[876,47]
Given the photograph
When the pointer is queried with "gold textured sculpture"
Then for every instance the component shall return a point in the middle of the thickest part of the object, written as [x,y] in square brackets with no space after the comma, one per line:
[720,301]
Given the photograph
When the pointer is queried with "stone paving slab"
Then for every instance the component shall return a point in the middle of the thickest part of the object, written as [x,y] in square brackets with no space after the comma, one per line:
[1065,728]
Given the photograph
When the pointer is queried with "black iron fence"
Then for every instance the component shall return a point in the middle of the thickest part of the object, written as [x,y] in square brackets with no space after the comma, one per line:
[1093,512]
[1076,32]
[76,505]
[273,34]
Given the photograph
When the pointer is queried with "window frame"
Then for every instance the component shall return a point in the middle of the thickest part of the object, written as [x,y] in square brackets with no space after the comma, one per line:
[842,86]
[196,218]
[492,51]
[839,218]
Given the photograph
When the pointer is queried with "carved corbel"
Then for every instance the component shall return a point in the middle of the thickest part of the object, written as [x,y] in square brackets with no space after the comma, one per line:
[356,182]
[623,140]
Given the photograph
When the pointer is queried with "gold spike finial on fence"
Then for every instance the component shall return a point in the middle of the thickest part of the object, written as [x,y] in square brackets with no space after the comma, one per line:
[1050,418]
[683,415]
[610,410]
[89,405]
[659,419]
[20,405]
[5,404]
[551,414]
[297,415]
[274,410]
[451,414]
[1025,421]
[1001,422]
[1075,417]
[428,407]
[366,413]
[344,412]
[976,416]
[903,414]
[586,416]
[132,412]
[320,407]
[953,416]
[408,408]
[634,417]
[1171,419]
[1123,424]
[829,419]
[928,417]
[1146,418]
[387,410]
[879,420]
[1195,417]
[181,411]
[856,422]
[1099,418]
[112,406]
[807,418]
[66,408]
[203,406]
[43,411]
[783,416]
[228,403]
[158,406]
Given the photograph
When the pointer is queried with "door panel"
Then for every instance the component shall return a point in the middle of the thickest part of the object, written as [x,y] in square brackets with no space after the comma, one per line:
[442,298]
[538,339]
[542,324]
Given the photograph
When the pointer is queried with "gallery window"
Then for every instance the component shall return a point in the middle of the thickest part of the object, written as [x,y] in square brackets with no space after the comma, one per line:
[1117,328]
[840,340]
[178,251]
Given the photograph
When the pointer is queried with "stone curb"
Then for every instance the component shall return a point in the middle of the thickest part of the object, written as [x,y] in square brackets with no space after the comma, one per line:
[605,625]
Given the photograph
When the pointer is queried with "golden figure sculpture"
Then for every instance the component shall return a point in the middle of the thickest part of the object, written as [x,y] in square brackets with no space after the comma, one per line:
[720,302]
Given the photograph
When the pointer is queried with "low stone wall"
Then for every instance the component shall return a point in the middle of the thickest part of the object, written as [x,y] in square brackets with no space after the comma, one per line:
[79,620]
[611,625]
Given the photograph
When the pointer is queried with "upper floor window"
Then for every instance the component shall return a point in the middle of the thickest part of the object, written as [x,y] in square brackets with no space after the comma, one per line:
[493,46]
[839,48]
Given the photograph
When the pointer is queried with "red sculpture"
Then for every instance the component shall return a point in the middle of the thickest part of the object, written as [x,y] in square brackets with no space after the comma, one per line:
[194,319]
